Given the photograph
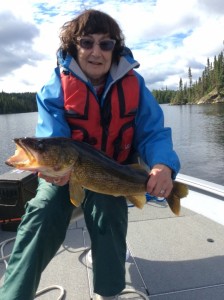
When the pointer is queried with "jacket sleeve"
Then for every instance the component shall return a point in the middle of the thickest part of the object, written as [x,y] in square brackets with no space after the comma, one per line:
[152,140]
[51,114]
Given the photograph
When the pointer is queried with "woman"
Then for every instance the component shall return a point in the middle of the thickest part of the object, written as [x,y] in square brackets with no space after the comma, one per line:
[95,96]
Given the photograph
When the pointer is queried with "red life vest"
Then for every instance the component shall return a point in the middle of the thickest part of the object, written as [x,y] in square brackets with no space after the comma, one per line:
[109,128]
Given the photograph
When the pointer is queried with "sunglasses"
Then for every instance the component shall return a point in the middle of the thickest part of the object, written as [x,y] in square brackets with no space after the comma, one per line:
[105,45]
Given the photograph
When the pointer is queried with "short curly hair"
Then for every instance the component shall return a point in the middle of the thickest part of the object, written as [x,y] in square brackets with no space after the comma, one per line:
[90,22]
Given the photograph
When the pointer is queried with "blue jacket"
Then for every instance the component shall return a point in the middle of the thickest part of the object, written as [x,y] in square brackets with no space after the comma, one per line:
[152,140]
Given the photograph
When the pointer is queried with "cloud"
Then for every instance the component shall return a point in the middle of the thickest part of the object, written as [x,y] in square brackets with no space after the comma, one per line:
[16,43]
[166,37]
[215,7]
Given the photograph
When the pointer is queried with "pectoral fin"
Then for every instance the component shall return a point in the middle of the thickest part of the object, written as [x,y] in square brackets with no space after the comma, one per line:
[77,194]
[138,200]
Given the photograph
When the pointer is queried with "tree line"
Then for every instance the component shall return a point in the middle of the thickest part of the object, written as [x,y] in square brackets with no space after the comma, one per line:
[210,84]
[11,103]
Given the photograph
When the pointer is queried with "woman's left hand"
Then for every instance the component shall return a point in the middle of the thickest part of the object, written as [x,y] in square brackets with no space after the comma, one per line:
[160,182]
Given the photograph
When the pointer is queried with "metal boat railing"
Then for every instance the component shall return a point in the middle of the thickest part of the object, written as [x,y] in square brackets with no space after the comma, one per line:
[202,185]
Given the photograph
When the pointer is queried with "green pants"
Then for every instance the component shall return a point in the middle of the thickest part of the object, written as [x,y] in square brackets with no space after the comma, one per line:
[43,229]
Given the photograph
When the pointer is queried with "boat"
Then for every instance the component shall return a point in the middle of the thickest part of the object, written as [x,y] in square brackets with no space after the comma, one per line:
[169,257]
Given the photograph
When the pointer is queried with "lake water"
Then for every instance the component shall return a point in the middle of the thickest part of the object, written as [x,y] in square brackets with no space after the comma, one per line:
[198,136]
[11,126]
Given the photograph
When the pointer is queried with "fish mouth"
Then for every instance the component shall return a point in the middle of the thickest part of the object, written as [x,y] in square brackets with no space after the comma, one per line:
[24,157]
[36,155]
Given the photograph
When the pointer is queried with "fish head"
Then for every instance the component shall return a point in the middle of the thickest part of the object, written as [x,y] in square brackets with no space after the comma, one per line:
[50,156]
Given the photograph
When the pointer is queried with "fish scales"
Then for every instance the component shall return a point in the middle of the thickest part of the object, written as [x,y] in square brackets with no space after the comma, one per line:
[93,173]
[106,182]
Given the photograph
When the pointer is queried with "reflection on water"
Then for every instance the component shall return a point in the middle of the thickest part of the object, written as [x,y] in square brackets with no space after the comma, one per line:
[198,137]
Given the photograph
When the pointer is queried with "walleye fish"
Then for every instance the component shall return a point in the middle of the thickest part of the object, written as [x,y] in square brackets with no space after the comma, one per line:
[90,169]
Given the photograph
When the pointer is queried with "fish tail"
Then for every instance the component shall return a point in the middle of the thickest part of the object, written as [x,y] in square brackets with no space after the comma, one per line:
[179,191]
[174,203]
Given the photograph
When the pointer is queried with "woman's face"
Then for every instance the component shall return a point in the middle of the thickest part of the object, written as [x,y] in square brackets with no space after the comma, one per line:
[94,56]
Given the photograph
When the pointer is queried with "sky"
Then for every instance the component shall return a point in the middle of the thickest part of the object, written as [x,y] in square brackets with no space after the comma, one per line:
[166,37]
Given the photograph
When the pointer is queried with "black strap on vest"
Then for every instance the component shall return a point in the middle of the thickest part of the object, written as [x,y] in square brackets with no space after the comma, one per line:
[106,117]
[121,100]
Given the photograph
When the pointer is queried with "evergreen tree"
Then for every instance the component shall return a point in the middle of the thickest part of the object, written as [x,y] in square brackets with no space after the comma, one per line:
[190,85]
